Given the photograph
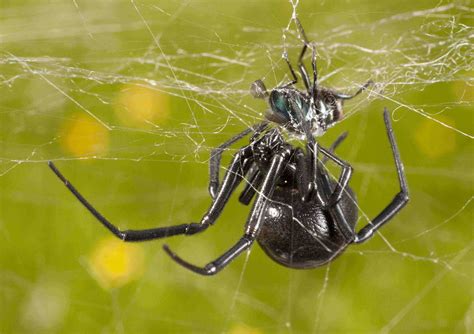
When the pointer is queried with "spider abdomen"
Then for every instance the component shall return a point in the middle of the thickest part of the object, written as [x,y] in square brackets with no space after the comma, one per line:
[302,235]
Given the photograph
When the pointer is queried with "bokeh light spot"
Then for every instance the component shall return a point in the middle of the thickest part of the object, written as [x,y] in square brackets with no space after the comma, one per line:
[140,106]
[114,263]
[84,136]
[45,307]
[434,139]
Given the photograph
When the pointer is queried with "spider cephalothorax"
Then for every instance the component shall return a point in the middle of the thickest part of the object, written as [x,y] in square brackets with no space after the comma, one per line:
[300,215]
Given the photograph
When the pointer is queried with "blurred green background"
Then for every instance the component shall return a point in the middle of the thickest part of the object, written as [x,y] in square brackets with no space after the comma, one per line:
[129,97]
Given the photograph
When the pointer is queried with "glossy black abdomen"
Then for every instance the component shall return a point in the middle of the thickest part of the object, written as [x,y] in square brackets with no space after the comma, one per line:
[303,235]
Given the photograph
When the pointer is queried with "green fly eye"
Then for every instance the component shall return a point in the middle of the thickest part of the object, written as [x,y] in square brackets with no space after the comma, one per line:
[280,105]
[289,105]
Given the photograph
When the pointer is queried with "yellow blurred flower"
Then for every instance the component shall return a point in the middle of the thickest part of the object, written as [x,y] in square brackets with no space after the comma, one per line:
[84,136]
[114,263]
[141,106]
[434,139]
[244,329]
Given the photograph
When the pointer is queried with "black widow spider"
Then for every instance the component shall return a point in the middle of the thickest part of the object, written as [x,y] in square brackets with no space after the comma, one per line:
[301,217]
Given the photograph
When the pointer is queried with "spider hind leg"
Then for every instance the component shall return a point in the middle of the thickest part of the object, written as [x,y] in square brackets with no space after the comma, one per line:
[399,200]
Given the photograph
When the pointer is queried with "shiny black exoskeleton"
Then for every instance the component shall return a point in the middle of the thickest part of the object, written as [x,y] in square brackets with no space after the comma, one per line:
[301,234]
[300,215]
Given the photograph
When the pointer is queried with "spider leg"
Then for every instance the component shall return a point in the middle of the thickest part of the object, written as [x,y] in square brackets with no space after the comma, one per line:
[343,180]
[239,167]
[343,96]
[216,155]
[325,189]
[306,165]
[128,235]
[215,266]
[254,180]
[400,199]
[254,221]
[335,145]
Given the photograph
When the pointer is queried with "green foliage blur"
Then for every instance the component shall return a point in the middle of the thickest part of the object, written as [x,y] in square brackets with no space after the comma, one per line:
[129,97]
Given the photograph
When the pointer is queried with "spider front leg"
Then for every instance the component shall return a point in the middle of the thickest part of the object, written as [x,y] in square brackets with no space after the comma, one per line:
[216,155]
[254,221]
[238,168]
[400,199]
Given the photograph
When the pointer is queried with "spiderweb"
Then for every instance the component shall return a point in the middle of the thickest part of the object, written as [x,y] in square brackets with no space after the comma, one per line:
[129,98]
